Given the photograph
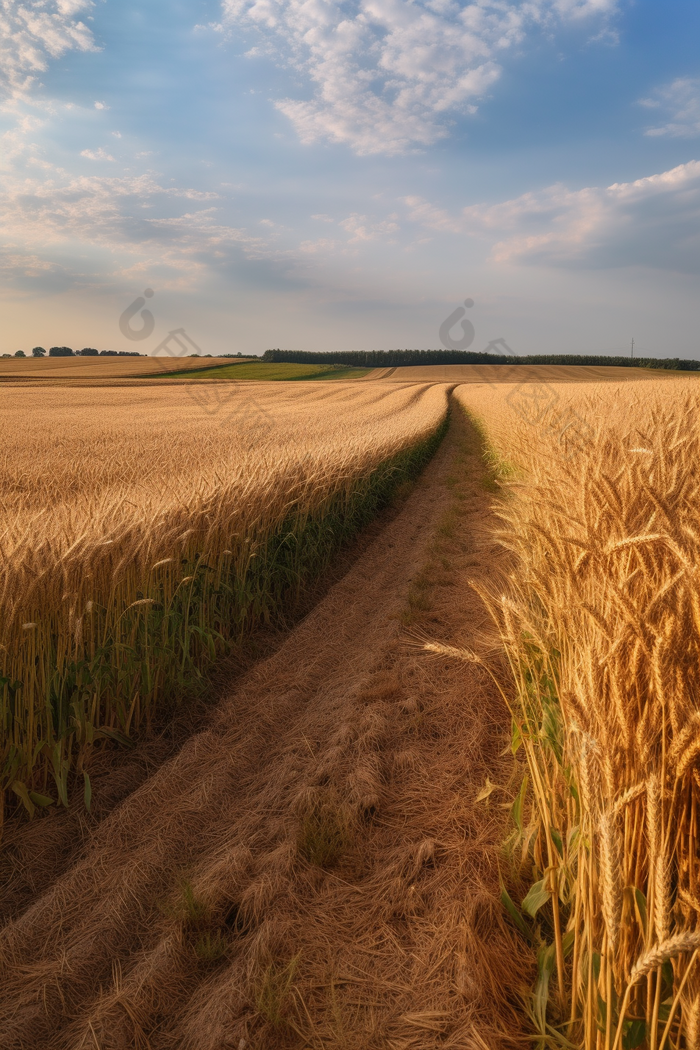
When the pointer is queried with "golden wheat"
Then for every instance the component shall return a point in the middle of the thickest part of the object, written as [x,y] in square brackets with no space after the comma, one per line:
[145,529]
[66,369]
[601,623]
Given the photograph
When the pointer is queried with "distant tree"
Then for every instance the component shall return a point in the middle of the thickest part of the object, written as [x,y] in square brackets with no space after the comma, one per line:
[88,351]
[38,351]
[60,351]
[20,353]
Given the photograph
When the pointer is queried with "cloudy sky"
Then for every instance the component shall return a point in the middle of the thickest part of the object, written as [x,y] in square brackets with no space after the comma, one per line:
[315,174]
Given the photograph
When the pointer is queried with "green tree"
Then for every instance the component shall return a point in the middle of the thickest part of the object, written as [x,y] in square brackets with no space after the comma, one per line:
[20,353]
[38,351]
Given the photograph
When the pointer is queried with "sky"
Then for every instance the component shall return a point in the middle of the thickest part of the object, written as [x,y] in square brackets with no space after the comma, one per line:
[322,175]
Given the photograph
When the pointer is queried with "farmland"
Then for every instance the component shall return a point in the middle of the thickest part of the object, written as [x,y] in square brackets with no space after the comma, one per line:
[601,624]
[56,369]
[455,805]
[108,371]
[158,520]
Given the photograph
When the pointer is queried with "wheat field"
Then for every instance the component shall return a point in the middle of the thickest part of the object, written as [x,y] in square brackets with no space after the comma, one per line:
[141,541]
[517,373]
[58,369]
[600,620]
[145,529]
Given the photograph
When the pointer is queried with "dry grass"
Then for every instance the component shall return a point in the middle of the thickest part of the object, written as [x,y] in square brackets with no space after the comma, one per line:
[601,622]
[143,531]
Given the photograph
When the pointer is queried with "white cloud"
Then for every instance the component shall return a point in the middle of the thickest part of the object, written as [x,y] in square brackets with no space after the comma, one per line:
[324,244]
[48,224]
[679,102]
[361,229]
[101,105]
[652,222]
[426,214]
[32,33]
[96,154]
[388,75]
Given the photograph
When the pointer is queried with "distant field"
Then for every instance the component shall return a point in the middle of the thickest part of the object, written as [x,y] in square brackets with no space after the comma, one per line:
[272,372]
[67,368]
[107,371]
[515,373]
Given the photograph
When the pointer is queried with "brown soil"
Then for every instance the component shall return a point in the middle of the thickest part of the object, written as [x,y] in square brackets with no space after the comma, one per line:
[313,868]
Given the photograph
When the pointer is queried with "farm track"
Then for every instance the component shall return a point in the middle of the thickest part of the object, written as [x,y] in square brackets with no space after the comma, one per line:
[193,916]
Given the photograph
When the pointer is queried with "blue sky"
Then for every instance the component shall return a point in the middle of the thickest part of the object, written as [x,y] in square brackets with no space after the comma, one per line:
[320,175]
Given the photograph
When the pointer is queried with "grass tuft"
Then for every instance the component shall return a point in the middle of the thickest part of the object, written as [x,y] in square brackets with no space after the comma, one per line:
[325,831]
[275,990]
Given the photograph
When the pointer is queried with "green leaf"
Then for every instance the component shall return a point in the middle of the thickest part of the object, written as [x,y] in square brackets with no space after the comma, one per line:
[641,903]
[41,800]
[116,735]
[595,959]
[556,839]
[536,897]
[516,811]
[602,1014]
[87,792]
[546,958]
[515,915]
[39,747]
[567,942]
[20,790]
[516,738]
[635,1034]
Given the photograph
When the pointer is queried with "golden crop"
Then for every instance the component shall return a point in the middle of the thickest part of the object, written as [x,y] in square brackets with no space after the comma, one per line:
[601,622]
[145,528]
[45,370]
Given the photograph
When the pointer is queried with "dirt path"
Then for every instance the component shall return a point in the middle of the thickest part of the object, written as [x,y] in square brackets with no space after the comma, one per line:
[313,870]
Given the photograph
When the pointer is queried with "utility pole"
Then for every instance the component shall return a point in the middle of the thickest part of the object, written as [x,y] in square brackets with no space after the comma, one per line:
[632,348]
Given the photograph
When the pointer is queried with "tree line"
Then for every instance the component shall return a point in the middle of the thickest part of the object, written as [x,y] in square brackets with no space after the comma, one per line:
[66,351]
[394,358]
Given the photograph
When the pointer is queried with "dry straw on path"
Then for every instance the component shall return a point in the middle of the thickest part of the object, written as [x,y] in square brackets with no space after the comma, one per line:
[601,622]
